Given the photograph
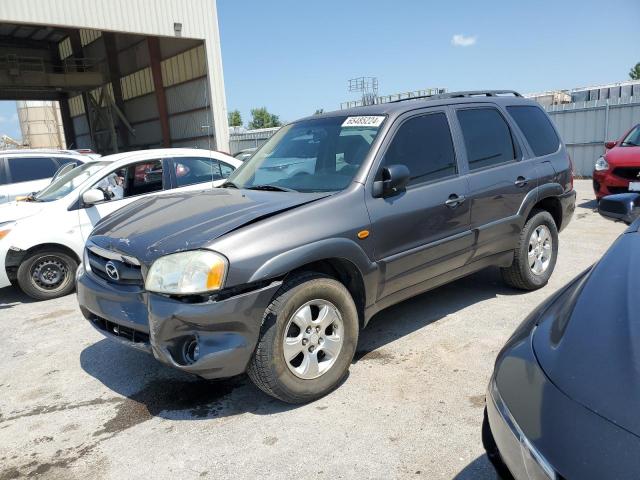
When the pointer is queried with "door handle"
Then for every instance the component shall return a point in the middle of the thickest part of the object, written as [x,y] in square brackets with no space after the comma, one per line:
[454,200]
[521,181]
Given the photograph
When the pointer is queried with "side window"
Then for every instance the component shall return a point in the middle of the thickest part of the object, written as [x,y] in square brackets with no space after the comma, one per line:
[192,170]
[133,180]
[27,169]
[487,137]
[537,129]
[144,177]
[425,146]
[226,169]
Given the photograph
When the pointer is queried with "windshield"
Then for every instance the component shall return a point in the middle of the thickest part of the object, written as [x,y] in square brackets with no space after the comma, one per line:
[315,155]
[69,182]
[633,139]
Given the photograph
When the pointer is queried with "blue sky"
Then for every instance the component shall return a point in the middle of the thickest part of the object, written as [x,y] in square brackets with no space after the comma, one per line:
[294,56]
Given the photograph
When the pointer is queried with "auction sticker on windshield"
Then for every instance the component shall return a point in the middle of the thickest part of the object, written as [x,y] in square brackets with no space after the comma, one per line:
[363,121]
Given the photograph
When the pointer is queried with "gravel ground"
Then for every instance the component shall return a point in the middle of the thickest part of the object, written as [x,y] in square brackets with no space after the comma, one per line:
[74,405]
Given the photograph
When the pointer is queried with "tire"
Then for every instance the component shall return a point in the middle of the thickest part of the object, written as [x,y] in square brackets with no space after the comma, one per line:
[521,274]
[302,297]
[47,274]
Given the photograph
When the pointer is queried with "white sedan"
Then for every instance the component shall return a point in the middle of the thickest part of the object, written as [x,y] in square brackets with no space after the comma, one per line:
[41,240]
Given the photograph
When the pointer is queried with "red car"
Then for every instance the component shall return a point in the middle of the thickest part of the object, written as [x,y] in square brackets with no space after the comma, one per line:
[618,169]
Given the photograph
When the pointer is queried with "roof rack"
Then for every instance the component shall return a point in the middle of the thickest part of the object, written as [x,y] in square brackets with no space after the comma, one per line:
[464,94]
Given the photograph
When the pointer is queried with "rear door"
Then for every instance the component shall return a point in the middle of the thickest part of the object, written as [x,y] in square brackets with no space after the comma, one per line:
[421,233]
[28,174]
[499,176]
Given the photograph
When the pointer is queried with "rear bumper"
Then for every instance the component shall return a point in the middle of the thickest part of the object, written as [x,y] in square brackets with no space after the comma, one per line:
[568,205]
[225,332]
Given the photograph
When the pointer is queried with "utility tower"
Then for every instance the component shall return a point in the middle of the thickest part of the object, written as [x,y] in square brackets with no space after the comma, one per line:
[367,86]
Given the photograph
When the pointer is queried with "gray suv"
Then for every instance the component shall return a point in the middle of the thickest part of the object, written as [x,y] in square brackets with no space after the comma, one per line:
[335,218]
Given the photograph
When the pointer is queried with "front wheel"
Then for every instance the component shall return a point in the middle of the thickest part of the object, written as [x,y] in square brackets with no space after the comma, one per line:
[307,341]
[535,256]
[47,274]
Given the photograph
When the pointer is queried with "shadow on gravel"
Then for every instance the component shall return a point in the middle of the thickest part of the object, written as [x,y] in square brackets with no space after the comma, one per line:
[589,204]
[479,469]
[12,296]
[413,314]
[151,389]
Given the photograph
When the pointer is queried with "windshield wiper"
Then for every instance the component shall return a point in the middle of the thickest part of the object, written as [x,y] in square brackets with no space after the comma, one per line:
[631,144]
[271,188]
[229,184]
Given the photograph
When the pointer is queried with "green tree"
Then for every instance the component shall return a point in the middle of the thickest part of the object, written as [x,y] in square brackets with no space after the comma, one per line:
[235,119]
[634,73]
[261,118]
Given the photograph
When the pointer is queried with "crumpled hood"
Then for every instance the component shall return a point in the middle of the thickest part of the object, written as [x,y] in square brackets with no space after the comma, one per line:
[163,224]
[19,210]
[588,341]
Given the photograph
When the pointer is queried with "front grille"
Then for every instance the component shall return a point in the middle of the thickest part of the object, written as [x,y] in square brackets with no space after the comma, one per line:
[127,333]
[128,274]
[628,173]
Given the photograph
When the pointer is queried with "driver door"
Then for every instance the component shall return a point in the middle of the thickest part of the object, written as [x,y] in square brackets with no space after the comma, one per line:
[121,187]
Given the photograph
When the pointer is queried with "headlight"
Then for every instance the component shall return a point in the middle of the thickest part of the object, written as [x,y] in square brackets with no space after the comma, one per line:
[6,227]
[601,164]
[186,273]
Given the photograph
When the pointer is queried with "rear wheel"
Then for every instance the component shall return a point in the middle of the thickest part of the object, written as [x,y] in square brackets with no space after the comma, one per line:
[47,274]
[535,256]
[308,339]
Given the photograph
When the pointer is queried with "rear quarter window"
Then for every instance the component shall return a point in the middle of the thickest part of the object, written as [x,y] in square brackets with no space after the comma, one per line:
[537,129]
[27,169]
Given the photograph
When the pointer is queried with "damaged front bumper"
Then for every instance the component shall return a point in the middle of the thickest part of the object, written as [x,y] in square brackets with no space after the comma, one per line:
[212,339]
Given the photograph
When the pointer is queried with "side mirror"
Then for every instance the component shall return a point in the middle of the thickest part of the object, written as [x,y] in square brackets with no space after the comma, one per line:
[610,145]
[624,207]
[93,196]
[394,179]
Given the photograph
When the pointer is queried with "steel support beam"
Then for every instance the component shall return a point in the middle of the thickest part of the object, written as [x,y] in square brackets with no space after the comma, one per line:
[114,77]
[161,98]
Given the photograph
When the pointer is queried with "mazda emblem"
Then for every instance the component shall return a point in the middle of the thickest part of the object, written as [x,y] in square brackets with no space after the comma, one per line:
[112,271]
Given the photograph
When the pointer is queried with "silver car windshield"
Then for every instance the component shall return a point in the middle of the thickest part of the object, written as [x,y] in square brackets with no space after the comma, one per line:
[69,182]
[313,155]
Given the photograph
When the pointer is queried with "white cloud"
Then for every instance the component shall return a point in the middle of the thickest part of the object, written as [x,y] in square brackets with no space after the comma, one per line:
[460,40]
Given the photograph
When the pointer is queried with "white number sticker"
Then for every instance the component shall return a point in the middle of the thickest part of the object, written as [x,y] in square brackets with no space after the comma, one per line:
[363,121]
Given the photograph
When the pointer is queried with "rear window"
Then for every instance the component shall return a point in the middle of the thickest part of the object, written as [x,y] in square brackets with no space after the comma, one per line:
[27,169]
[537,129]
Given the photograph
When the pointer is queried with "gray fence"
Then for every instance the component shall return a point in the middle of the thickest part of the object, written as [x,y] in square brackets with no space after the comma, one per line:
[585,126]
[249,138]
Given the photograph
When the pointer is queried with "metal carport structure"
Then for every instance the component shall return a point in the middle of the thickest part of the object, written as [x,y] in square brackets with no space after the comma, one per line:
[129,74]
